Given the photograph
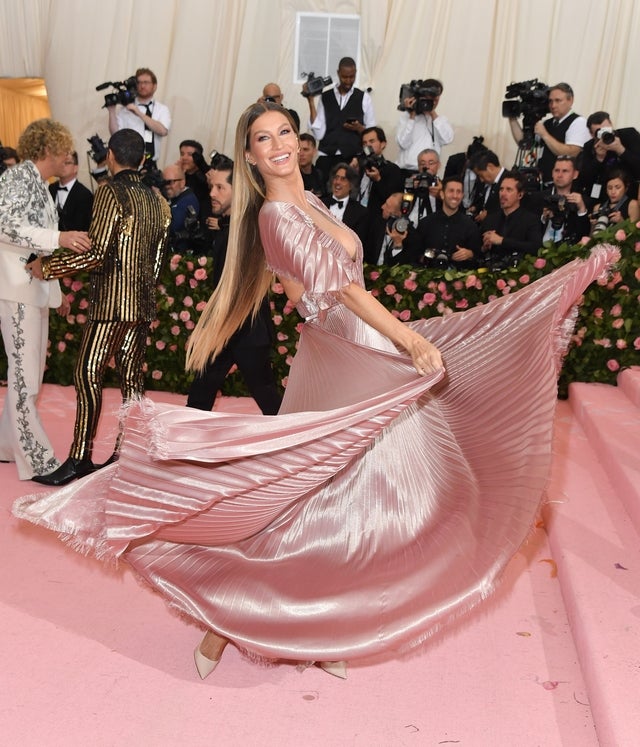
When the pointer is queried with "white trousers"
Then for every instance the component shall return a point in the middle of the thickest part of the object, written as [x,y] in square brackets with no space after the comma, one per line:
[25,330]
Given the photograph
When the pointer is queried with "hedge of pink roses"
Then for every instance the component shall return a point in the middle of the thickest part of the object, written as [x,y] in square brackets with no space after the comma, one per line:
[606,337]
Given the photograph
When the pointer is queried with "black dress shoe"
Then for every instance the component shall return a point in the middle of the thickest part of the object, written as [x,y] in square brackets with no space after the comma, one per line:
[67,471]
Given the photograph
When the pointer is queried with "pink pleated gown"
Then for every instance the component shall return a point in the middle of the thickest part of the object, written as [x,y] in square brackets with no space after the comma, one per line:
[376,506]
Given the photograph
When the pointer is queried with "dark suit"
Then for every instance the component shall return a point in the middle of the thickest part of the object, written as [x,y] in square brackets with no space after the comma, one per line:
[249,348]
[76,213]
[378,239]
[488,201]
[355,216]
[521,231]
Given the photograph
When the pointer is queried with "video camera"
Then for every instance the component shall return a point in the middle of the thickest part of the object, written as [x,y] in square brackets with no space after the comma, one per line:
[98,150]
[316,84]
[529,99]
[125,92]
[424,94]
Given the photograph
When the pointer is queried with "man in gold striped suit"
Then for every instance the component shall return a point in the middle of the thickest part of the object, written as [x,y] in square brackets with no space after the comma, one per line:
[128,236]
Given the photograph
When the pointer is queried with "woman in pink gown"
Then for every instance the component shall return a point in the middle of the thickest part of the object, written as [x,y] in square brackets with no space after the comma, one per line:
[393,487]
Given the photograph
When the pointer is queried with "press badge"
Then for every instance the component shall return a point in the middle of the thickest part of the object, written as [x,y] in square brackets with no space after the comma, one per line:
[595,190]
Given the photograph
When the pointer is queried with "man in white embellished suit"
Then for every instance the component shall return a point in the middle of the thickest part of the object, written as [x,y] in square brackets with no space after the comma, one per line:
[29,226]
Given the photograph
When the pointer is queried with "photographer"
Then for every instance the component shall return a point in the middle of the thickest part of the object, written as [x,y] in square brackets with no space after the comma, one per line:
[608,149]
[339,117]
[490,173]
[564,214]
[272,92]
[392,239]
[185,233]
[380,177]
[449,239]
[562,134]
[420,127]
[144,115]
[460,165]
[424,187]
[618,206]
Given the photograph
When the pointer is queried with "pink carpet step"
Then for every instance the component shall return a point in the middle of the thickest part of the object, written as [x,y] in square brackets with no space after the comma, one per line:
[611,422]
[629,382]
[596,547]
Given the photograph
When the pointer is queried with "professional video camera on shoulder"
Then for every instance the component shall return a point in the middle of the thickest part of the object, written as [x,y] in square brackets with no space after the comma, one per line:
[125,92]
[425,93]
[98,150]
[529,99]
[316,84]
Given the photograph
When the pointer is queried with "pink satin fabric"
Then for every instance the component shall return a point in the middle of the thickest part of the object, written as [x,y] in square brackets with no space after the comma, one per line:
[376,506]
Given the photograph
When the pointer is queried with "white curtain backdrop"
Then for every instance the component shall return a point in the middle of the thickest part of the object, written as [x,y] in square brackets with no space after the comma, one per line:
[212,58]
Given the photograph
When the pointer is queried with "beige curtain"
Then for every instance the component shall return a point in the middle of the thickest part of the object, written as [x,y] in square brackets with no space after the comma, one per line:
[212,57]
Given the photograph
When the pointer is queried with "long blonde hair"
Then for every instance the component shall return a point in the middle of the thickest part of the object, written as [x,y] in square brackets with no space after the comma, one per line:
[245,278]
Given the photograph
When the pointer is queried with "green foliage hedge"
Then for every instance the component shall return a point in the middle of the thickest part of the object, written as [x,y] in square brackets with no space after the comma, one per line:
[606,339]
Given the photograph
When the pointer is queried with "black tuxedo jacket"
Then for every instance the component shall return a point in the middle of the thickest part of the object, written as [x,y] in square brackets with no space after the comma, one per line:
[411,248]
[355,216]
[76,213]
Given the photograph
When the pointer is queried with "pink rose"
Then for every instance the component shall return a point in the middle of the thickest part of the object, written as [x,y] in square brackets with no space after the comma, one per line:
[299,327]
[462,303]
[66,282]
[405,315]
[410,284]
[604,342]
[200,274]
[285,381]
[184,316]
[524,279]
[173,348]
[281,336]
[175,330]
[636,343]
[375,292]
[374,275]
[429,298]
[500,284]
[179,279]
[613,364]
[621,344]
[584,240]
[157,375]
[189,324]
[637,246]
[190,266]
[458,285]
[193,283]
[161,344]
[617,323]
[277,319]
[396,313]
[282,349]
[616,310]
[81,318]
[620,235]
[398,297]
[62,346]
[202,261]
[170,300]
[200,306]
[76,285]
[637,274]
[68,336]
[470,281]
[187,301]
[389,289]
[540,263]
[83,304]
[598,313]
[277,288]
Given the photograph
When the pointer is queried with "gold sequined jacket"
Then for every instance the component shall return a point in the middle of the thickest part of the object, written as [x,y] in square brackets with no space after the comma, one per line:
[128,232]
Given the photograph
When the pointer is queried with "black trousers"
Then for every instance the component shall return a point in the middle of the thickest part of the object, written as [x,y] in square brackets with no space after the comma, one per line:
[254,363]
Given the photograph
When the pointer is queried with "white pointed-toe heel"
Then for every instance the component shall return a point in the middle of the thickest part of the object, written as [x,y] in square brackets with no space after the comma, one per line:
[203,665]
[336,668]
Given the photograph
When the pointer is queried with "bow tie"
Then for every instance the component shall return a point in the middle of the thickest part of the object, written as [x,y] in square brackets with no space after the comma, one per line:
[339,203]
[60,189]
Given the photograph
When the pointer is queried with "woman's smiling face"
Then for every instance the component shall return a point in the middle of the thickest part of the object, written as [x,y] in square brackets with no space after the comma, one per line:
[273,145]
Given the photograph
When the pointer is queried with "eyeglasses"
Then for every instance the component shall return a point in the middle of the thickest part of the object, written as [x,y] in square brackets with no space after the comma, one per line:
[172,181]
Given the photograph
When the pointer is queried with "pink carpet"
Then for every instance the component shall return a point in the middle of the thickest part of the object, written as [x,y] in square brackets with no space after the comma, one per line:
[90,657]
